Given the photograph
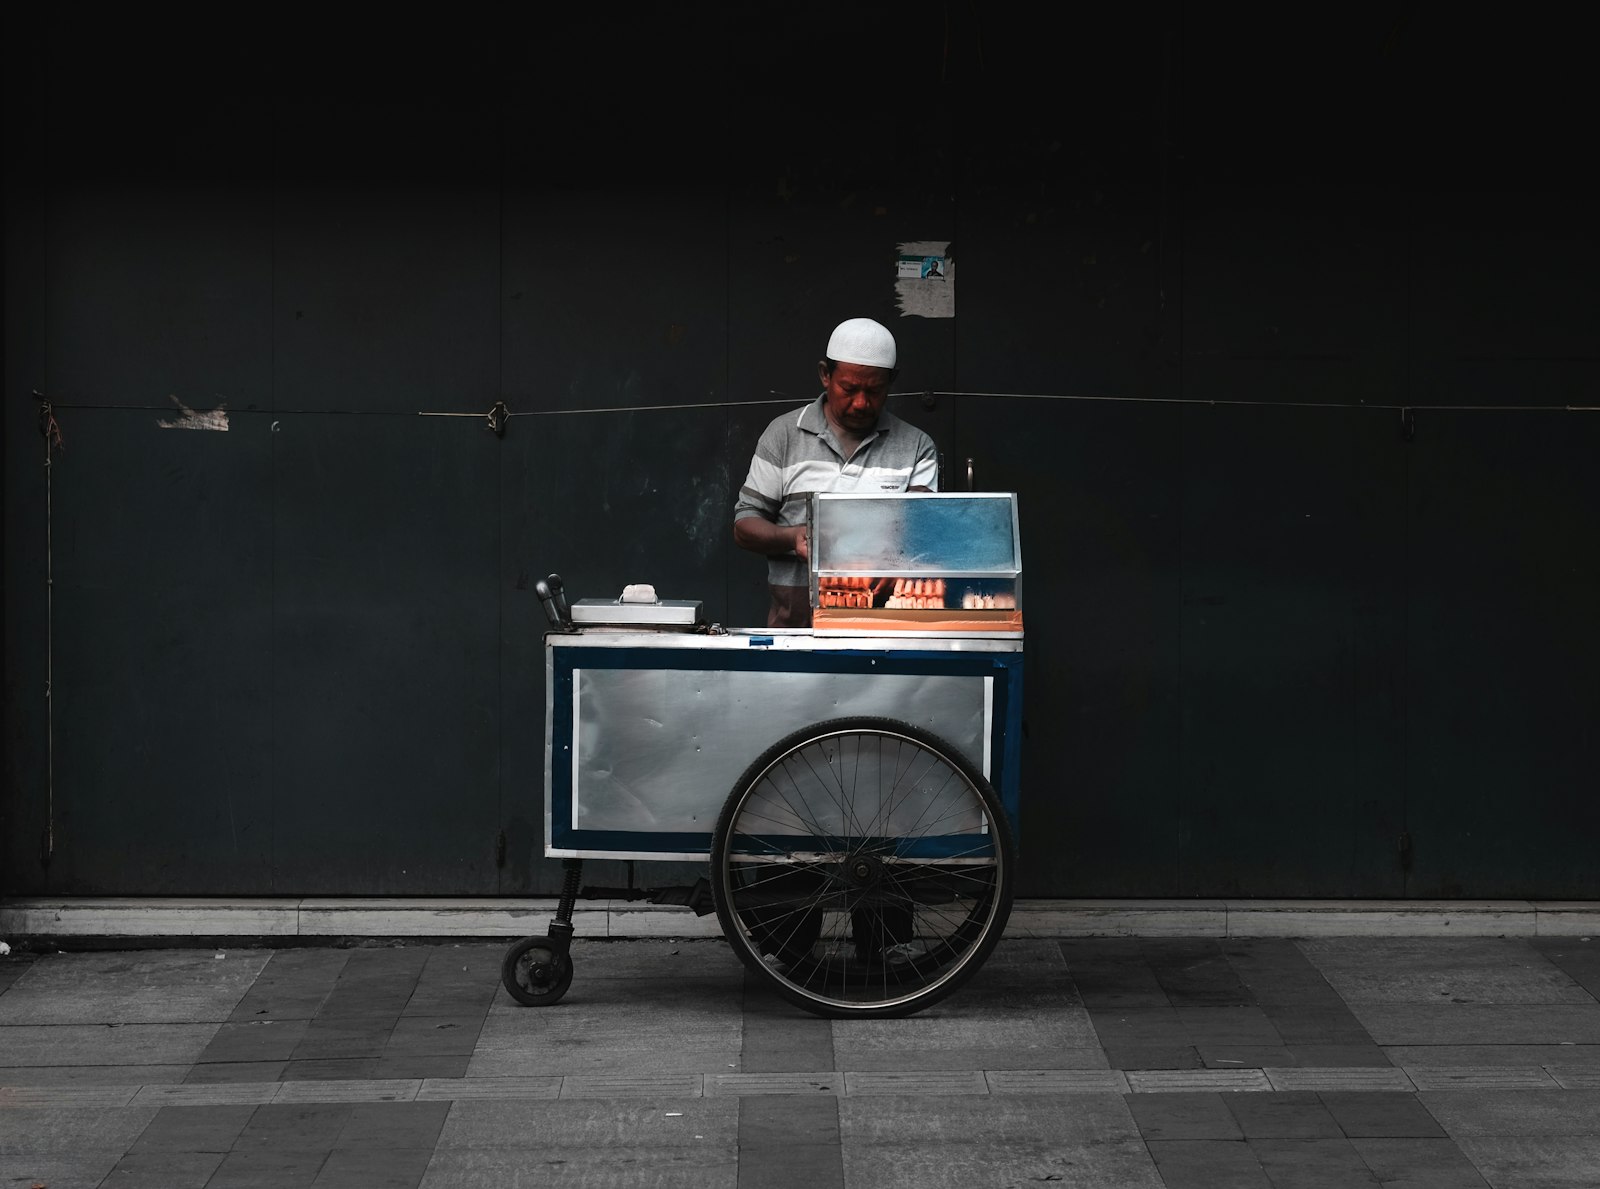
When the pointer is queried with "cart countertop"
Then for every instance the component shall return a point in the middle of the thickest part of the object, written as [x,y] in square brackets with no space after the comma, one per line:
[782,640]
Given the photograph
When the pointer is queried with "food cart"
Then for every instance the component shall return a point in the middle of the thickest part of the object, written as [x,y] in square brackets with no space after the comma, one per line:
[853,786]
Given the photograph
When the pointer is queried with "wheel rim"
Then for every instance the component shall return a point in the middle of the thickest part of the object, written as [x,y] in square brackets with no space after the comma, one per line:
[865,871]
[538,970]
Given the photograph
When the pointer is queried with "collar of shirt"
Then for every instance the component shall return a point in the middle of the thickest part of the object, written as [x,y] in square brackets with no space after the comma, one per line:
[814,419]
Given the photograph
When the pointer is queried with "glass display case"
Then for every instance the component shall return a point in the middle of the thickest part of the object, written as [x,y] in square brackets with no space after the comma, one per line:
[916,562]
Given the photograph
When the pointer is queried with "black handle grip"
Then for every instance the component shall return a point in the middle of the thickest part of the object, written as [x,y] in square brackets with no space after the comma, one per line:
[554,598]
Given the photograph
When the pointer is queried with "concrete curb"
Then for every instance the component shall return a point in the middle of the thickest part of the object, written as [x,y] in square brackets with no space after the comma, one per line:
[291,919]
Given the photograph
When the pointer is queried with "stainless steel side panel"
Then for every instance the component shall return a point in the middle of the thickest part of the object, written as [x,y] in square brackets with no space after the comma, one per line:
[660,749]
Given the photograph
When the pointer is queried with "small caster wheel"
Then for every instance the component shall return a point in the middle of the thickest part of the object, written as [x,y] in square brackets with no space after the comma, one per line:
[534,973]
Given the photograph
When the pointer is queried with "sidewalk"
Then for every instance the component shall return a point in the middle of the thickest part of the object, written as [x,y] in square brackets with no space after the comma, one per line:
[1123,1062]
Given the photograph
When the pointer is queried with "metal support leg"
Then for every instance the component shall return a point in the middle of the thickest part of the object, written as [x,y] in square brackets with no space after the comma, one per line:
[561,929]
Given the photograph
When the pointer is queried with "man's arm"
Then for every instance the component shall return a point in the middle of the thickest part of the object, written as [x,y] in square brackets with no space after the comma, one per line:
[755,514]
[762,536]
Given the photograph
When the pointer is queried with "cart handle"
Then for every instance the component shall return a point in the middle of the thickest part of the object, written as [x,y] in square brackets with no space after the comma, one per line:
[552,594]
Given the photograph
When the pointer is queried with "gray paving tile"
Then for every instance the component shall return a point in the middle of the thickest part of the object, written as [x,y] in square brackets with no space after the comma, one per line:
[639,1084]
[705,1165]
[86,1169]
[941,1121]
[775,1122]
[1515,1112]
[907,1060]
[1414,970]
[394,1168]
[1328,1056]
[1488,1054]
[923,1082]
[1019,1019]
[1364,1054]
[14,967]
[1339,1078]
[1192,1115]
[1419,1163]
[255,1040]
[1036,955]
[1575,1077]
[775,1083]
[235,1071]
[43,1130]
[353,1090]
[268,1168]
[1245,1056]
[1146,1027]
[1290,1114]
[457,978]
[434,1036]
[1202,980]
[77,1094]
[815,1165]
[90,1075]
[786,1141]
[1312,1163]
[1491,1077]
[1577,957]
[293,984]
[163,1170]
[134,986]
[653,960]
[345,1036]
[294,1126]
[1298,1022]
[101,1044]
[1115,986]
[194,1129]
[422,1067]
[1115,1164]
[451,1089]
[390,1125]
[1380,1115]
[578,1060]
[207,1094]
[375,982]
[330,1069]
[777,1039]
[655,1124]
[1546,1162]
[1156,1081]
[1207,1164]
[1141,1056]
[1534,1023]
[1056,1081]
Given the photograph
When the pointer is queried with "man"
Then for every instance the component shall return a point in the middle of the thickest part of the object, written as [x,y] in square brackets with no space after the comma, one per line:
[843,441]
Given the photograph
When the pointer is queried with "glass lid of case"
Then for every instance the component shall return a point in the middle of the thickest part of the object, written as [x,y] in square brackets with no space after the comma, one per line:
[911,533]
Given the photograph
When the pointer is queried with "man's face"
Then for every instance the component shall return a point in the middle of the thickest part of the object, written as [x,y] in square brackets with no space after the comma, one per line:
[854,394]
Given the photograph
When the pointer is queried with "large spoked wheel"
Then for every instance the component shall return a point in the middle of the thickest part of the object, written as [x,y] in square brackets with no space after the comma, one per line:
[535,973]
[862,866]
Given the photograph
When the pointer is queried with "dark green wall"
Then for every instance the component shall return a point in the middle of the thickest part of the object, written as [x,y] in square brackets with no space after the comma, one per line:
[1273,320]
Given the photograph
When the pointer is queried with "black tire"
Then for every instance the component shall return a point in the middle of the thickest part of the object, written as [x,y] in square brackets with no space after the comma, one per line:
[863,867]
[534,974]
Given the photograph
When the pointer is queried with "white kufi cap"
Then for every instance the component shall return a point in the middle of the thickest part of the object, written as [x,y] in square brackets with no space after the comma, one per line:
[861,340]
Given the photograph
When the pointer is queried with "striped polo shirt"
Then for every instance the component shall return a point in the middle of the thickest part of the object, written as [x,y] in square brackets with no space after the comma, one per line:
[798,454]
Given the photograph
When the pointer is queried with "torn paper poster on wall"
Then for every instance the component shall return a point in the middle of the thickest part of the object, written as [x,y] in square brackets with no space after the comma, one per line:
[187,418]
[925,279]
